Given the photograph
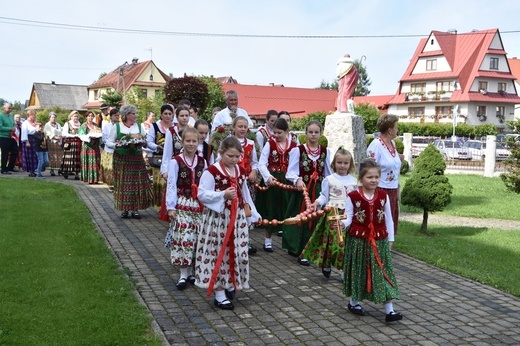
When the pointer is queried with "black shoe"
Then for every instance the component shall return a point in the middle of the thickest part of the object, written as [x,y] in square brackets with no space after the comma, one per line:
[76,177]
[357,310]
[66,175]
[181,284]
[230,294]
[268,248]
[14,170]
[251,250]
[326,272]
[136,215]
[124,215]
[224,305]
[191,279]
[393,316]
[6,172]
[32,174]
[279,233]
[303,262]
[52,173]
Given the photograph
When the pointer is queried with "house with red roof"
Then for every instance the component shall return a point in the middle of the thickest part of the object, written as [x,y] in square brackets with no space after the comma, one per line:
[514,64]
[258,99]
[145,75]
[451,73]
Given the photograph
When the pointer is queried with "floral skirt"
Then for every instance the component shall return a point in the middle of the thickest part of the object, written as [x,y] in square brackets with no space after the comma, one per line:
[210,242]
[106,171]
[360,267]
[159,185]
[132,185]
[182,234]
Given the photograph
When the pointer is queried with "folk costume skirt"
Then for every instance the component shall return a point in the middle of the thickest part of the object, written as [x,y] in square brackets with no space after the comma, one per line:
[360,267]
[324,248]
[276,202]
[55,154]
[209,244]
[393,195]
[29,157]
[71,155]
[90,161]
[107,165]
[159,187]
[132,185]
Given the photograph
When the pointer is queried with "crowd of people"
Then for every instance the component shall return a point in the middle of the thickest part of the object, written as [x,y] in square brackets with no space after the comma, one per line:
[214,182]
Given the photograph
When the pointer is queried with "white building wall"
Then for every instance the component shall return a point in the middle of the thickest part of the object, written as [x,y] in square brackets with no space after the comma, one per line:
[442,65]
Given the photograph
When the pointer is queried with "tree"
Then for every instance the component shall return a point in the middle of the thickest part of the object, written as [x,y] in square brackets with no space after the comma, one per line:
[190,88]
[428,188]
[101,75]
[300,123]
[512,178]
[363,81]
[216,96]
[329,86]
[370,114]
[112,98]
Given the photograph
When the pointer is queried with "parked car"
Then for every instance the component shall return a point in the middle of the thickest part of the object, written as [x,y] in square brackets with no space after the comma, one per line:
[420,143]
[452,150]
[477,150]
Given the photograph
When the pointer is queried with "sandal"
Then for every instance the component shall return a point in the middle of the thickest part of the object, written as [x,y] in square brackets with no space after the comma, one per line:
[303,262]
[326,272]
[181,284]
[224,305]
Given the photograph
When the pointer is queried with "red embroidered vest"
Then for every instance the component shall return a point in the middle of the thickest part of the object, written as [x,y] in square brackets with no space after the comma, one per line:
[366,212]
[247,157]
[222,182]
[185,179]
[176,142]
[278,161]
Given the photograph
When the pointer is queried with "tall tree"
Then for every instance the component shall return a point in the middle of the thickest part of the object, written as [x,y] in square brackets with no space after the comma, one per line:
[190,88]
[216,96]
[112,98]
[363,81]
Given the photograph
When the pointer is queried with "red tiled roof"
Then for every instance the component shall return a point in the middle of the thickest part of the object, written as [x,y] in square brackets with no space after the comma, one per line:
[131,72]
[514,65]
[380,101]
[464,54]
[258,99]
[488,97]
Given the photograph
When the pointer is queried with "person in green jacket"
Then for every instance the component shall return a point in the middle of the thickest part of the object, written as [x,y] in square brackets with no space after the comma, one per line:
[8,141]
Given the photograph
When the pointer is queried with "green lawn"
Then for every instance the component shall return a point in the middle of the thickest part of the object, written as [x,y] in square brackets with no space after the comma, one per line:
[490,256]
[477,196]
[59,283]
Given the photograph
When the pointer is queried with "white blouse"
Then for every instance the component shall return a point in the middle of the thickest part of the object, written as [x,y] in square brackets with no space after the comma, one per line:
[390,165]
[293,170]
[173,174]
[27,129]
[112,136]
[348,182]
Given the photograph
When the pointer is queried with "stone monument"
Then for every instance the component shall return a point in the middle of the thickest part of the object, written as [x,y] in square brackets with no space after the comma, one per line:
[344,127]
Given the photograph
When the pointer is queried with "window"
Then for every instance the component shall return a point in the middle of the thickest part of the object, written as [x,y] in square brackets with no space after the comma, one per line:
[446,86]
[482,85]
[157,91]
[415,111]
[431,65]
[417,87]
[481,110]
[96,94]
[493,64]
[443,110]
[502,86]
[144,93]
[501,111]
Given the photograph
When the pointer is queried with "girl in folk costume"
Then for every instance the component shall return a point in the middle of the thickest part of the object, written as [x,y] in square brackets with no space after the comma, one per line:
[222,260]
[273,164]
[248,160]
[204,149]
[368,269]
[326,248]
[173,141]
[71,147]
[184,210]
[156,140]
[309,163]
[90,150]
[293,136]
[265,133]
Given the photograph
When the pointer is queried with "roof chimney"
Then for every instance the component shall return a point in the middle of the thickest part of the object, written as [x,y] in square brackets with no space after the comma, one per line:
[53,82]
[134,60]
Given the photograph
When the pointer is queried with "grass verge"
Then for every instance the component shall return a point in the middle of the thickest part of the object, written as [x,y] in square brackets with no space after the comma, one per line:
[489,256]
[477,196]
[59,283]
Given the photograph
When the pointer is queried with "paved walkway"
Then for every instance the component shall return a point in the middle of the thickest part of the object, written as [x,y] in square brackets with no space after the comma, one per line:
[289,304]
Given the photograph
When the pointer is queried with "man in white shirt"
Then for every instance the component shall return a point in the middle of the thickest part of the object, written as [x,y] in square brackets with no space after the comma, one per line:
[225,116]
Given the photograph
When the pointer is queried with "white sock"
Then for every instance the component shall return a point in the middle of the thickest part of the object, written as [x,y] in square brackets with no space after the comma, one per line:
[184,273]
[230,289]
[189,271]
[220,296]
[268,241]
[389,307]
[353,302]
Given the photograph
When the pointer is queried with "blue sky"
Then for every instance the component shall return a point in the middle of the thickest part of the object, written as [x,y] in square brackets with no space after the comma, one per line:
[37,54]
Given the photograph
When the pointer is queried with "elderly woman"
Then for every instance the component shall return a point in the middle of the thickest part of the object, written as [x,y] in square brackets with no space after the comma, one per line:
[156,138]
[90,149]
[383,151]
[52,131]
[29,158]
[132,185]
[71,163]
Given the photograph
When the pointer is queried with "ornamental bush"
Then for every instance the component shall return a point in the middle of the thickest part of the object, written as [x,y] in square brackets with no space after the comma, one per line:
[190,88]
[428,188]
